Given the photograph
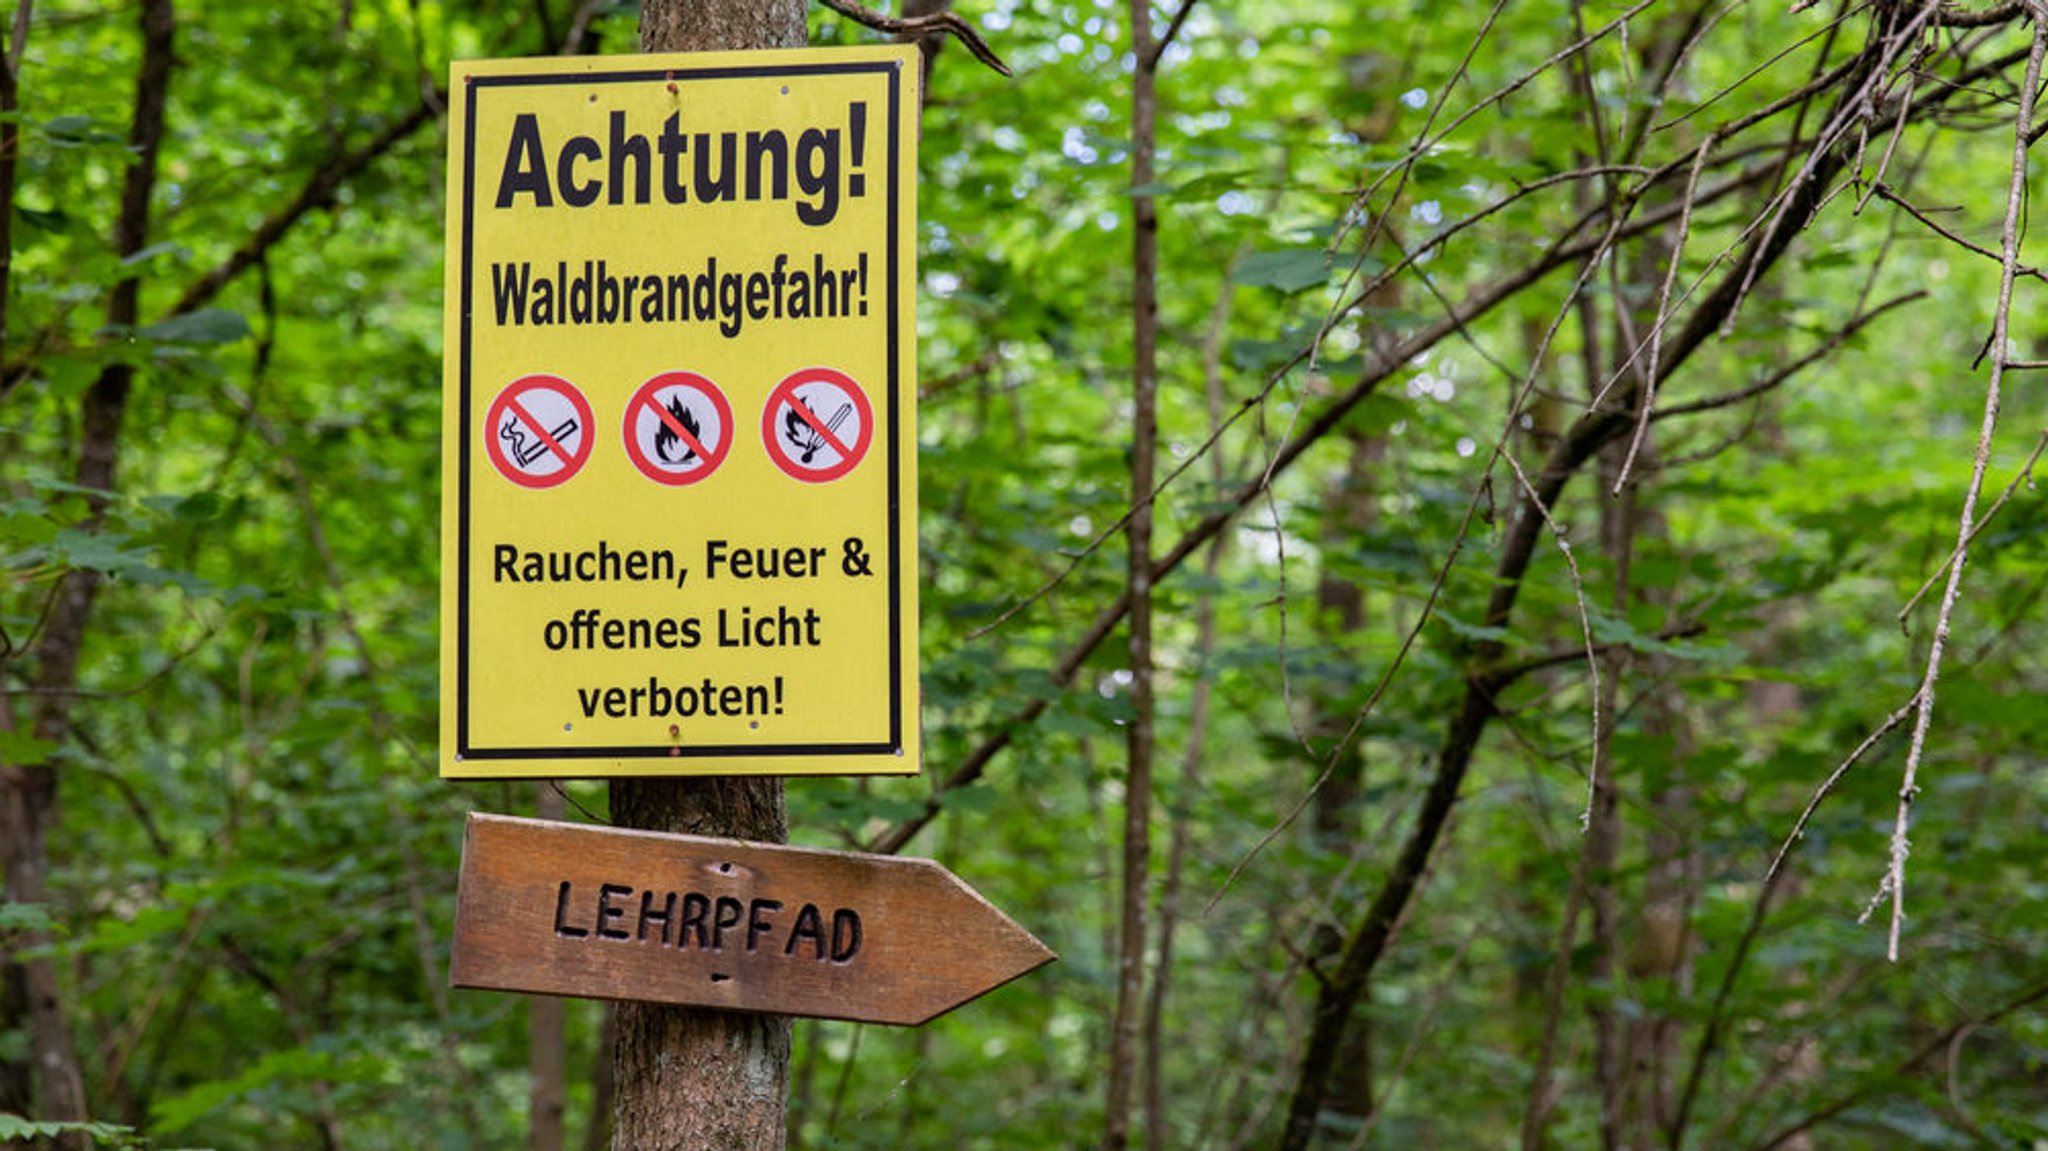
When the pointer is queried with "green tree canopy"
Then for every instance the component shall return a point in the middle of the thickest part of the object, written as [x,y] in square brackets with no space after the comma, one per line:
[1572,720]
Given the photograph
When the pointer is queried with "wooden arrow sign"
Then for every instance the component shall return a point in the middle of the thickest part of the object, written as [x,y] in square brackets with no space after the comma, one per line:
[603,913]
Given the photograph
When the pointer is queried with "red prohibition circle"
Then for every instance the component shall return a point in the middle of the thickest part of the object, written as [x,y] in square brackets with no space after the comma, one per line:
[647,401]
[795,430]
[537,419]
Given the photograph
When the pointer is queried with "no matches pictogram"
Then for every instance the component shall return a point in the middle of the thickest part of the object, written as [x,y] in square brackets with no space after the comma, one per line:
[817,425]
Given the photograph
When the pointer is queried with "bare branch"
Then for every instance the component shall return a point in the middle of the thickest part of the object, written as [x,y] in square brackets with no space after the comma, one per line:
[1784,374]
[946,22]
[1820,794]
[2015,204]
[1692,186]
[1952,16]
[1173,27]
[1737,84]
[579,27]
[1884,192]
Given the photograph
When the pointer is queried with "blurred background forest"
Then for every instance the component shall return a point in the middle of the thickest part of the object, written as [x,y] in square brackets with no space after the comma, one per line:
[1567,418]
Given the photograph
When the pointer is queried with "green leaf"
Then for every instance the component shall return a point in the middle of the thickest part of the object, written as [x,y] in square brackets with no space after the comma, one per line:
[294,1067]
[205,326]
[1213,184]
[98,551]
[15,1129]
[51,220]
[1289,269]
[26,916]
[26,529]
[1470,631]
[17,747]
[73,127]
[147,254]
[199,508]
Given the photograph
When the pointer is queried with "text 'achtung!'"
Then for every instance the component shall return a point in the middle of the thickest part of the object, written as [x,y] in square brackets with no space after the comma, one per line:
[813,172]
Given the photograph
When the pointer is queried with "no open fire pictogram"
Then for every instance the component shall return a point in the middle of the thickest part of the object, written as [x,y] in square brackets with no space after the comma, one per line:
[678,428]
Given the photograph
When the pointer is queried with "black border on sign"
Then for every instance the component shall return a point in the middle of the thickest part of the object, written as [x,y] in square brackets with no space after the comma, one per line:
[465,751]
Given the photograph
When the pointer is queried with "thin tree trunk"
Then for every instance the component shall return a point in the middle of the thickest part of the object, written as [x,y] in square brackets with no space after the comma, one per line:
[28,792]
[1139,736]
[1350,511]
[546,1034]
[1614,1057]
[10,150]
[1180,834]
[1543,1087]
[603,1083]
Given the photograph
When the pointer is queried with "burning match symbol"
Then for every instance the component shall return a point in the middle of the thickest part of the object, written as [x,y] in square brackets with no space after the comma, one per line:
[806,437]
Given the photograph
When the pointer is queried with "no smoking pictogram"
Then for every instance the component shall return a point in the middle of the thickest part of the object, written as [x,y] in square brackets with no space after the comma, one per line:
[817,424]
[678,427]
[538,431]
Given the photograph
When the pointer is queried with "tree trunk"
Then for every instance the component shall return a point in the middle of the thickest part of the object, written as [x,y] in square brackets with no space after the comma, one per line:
[1139,736]
[546,1032]
[29,808]
[603,1082]
[690,1079]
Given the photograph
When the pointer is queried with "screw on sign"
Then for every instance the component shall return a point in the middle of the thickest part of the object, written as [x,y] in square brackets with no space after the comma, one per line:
[537,431]
[678,427]
[817,424]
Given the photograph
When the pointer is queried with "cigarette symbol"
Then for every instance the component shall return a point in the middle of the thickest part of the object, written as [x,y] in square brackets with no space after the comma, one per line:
[524,454]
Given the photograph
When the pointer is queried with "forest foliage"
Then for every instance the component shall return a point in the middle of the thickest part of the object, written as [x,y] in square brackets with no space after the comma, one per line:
[1568,418]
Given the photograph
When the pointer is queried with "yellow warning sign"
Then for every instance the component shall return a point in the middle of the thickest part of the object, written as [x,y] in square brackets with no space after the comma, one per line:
[679,444]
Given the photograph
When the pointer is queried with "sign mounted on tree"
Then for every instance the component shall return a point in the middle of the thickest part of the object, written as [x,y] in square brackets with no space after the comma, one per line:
[679,441]
[564,909]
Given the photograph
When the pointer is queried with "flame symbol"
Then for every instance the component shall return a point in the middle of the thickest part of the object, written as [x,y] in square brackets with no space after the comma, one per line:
[800,431]
[666,439]
[802,434]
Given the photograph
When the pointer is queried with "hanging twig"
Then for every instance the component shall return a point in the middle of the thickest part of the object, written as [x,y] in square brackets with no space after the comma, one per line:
[1894,883]
[945,22]
[1648,403]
